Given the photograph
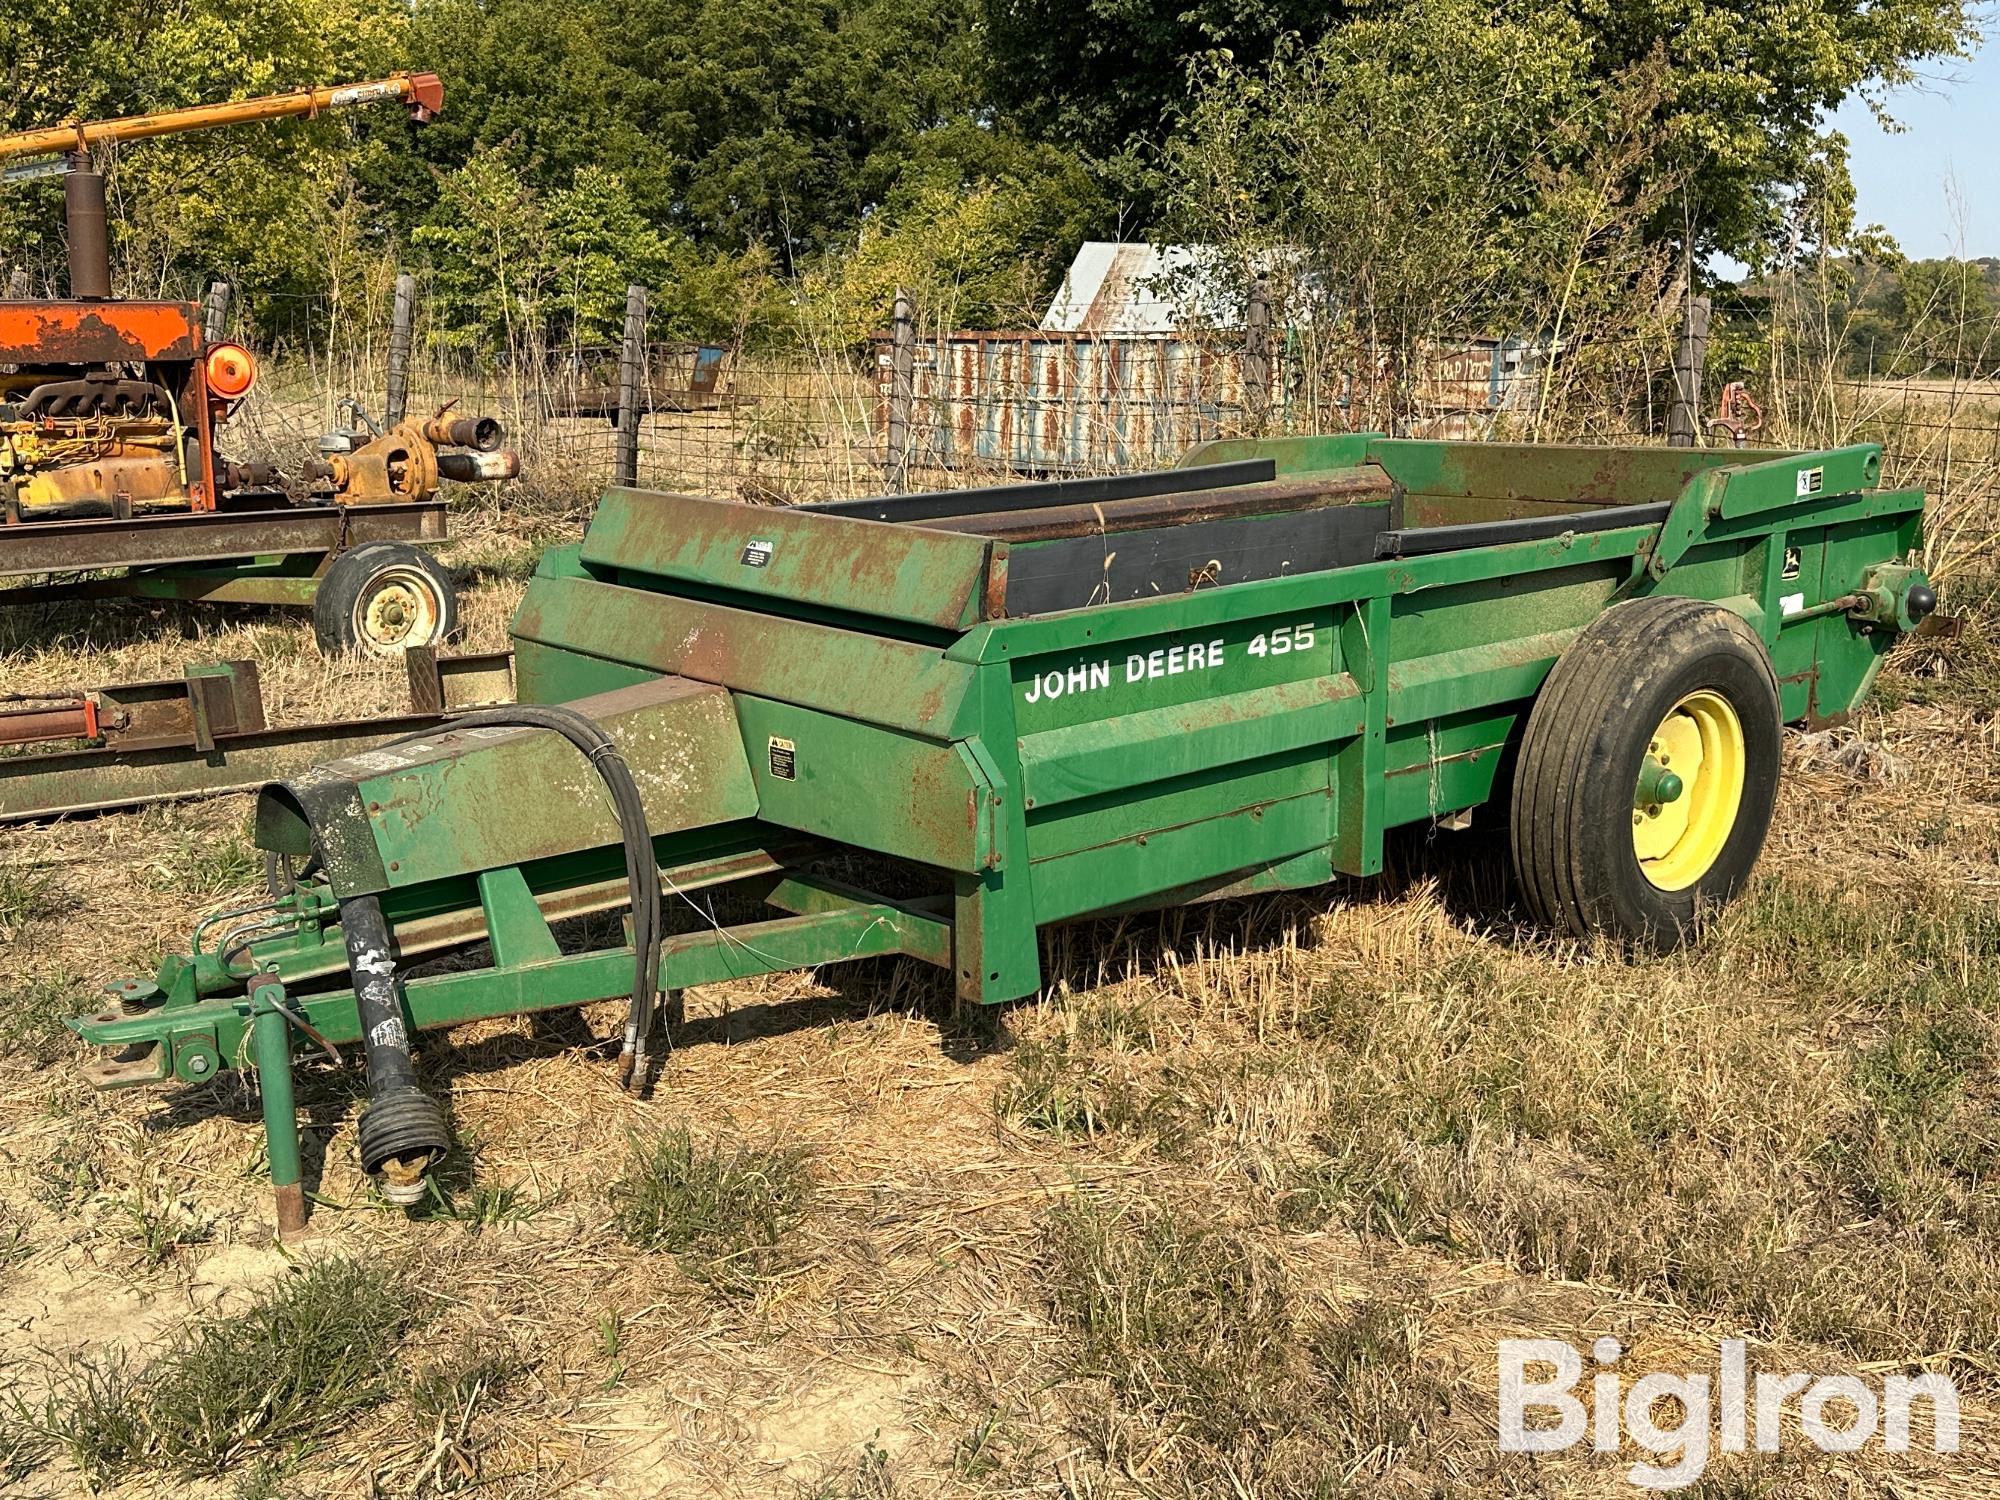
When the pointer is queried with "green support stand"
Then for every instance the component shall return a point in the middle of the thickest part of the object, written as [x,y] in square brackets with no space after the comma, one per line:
[281,1117]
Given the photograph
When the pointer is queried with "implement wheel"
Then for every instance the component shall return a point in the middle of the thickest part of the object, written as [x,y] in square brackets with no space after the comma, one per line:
[382,598]
[1647,773]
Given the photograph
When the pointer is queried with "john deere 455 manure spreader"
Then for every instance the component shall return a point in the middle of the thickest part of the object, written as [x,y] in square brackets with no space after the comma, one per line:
[1027,704]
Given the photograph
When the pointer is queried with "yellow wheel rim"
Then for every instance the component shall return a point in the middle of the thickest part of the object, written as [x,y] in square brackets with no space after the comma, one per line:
[1700,741]
[402,611]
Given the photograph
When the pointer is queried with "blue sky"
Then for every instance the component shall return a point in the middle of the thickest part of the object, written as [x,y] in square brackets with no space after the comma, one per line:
[1935,186]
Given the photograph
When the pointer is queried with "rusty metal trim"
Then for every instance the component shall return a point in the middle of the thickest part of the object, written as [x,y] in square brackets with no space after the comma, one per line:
[93,333]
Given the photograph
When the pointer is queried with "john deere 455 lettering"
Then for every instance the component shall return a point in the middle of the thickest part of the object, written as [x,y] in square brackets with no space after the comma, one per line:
[1032,703]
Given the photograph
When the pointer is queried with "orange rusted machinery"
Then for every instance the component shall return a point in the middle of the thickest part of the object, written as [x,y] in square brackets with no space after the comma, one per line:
[109,408]
[108,418]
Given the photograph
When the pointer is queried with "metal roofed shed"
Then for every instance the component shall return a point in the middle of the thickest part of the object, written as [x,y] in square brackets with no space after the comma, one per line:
[1141,290]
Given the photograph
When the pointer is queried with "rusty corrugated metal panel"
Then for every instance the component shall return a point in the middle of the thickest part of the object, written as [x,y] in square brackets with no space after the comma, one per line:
[1031,401]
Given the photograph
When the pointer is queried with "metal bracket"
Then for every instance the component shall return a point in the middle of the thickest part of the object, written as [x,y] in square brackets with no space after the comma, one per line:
[1739,491]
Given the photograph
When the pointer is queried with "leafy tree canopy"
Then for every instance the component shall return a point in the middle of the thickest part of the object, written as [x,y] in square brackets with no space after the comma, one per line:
[251,202]
[963,145]
[1740,124]
[731,121]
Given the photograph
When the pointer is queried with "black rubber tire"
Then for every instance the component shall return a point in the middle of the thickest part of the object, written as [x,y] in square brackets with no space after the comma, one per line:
[358,576]
[1571,816]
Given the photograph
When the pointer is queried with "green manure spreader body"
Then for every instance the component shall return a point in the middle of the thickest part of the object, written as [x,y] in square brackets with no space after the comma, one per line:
[930,725]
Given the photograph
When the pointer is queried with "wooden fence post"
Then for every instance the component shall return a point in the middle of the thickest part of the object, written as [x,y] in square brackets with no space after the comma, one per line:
[1257,355]
[1684,416]
[402,316]
[902,392]
[631,386]
[18,285]
[215,312]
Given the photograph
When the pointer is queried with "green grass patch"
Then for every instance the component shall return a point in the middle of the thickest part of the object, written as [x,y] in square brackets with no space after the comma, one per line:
[726,1212]
[72,1170]
[265,1384]
[208,865]
[33,1017]
[1196,1330]
[28,896]
[91,1412]
[1794,1124]
[158,1224]
[485,1205]
[316,1348]
[24,1447]
[1056,1086]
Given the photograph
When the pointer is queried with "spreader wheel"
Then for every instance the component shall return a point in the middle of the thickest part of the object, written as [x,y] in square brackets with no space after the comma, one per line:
[382,598]
[1647,773]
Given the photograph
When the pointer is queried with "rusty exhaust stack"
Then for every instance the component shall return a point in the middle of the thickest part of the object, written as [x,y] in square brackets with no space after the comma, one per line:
[89,234]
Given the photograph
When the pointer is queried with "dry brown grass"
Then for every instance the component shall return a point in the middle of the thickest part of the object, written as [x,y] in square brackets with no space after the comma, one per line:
[1240,1207]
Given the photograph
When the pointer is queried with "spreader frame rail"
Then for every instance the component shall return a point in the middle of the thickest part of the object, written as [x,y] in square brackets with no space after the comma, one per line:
[826,922]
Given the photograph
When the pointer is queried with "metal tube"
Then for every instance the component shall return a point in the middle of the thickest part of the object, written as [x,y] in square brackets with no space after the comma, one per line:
[402,1128]
[281,1118]
[28,726]
[1836,606]
[89,237]
[421,91]
[483,433]
[469,468]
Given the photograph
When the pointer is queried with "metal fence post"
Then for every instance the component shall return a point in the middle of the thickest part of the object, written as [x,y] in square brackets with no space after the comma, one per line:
[631,386]
[402,315]
[1684,416]
[215,312]
[902,391]
[1257,354]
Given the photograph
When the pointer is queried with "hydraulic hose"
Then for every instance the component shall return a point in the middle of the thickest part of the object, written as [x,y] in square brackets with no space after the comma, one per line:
[402,1129]
[642,871]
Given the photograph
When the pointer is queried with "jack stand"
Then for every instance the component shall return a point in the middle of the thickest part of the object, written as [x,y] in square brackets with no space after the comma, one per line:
[281,1117]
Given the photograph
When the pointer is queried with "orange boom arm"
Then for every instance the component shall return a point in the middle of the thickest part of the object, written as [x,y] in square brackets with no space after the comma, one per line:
[421,91]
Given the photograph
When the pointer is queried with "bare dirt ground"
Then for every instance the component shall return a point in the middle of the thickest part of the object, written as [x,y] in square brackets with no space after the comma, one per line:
[1240,1207]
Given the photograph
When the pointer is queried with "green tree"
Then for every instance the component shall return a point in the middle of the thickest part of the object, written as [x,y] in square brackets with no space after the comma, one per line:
[1949,316]
[488,249]
[1738,128]
[249,202]
[1418,177]
[597,245]
[732,122]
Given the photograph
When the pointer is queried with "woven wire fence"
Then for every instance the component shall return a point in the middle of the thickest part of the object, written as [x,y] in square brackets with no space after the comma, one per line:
[776,421]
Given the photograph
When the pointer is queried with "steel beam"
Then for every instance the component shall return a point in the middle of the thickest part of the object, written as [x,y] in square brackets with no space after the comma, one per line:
[205,735]
[209,536]
[106,777]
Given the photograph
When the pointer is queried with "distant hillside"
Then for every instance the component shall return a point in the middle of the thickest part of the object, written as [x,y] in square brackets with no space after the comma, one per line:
[1923,317]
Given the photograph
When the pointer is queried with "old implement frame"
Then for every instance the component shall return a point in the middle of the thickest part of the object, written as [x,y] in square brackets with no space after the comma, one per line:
[203,734]
[275,554]
[1236,680]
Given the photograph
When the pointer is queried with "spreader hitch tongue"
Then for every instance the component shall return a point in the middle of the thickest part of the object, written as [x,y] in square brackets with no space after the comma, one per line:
[402,1128]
